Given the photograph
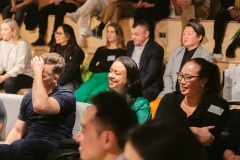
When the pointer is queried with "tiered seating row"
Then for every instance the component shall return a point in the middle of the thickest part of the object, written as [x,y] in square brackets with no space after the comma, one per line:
[172,28]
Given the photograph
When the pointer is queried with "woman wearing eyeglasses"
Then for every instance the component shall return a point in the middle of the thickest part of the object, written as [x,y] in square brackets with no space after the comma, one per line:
[192,37]
[66,45]
[198,102]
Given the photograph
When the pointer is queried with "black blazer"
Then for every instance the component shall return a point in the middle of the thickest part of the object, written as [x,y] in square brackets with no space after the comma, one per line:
[150,67]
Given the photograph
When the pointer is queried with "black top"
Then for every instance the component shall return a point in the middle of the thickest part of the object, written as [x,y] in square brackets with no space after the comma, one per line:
[227,3]
[187,56]
[50,127]
[206,114]
[72,72]
[234,134]
[105,57]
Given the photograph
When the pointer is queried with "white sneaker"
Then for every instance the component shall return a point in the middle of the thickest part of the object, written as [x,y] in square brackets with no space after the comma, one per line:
[81,41]
[173,14]
[73,16]
[217,56]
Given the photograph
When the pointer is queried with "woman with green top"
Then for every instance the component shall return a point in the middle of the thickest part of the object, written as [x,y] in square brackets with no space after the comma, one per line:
[101,63]
[124,78]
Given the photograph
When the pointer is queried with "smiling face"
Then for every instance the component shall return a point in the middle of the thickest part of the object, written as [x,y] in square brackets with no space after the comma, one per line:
[117,77]
[195,86]
[7,33]
[111,35]
[60,37]
[139,35]
[190,38]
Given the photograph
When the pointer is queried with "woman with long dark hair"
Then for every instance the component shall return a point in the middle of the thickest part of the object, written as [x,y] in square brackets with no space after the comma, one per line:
[66,45]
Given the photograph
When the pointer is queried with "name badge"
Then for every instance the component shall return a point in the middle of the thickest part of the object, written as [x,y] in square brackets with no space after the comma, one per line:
[216,110]
[111,58]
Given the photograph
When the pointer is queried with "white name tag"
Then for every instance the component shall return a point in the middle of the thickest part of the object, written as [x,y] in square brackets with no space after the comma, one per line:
[111,58]
[216,110]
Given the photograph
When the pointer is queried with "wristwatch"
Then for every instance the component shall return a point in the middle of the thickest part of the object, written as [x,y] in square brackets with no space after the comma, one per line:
[229,8]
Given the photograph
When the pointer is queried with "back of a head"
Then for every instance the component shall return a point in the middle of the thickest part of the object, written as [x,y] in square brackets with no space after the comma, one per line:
[166,138]
[114,112]
[56,61]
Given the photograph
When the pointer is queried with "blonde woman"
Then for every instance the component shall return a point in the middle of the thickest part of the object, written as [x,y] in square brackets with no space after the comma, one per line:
[15,59]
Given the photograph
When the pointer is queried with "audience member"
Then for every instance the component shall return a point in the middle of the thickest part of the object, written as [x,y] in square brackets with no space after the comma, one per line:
[3,4]
[2,115]
[152,11]
[233,152]
[113,13]
[84,13]
[148,55]
[101,63]
[113,108]
[191,9]
[166,138]
[58,8]
[193,35]
[66,45]
[20,8]
[104,127]
[47,113]
[15,57]
[199,103]
[229,11]
[124,78]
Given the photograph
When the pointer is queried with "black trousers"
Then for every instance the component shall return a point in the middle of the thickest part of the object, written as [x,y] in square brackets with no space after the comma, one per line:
[59,12]
[3,4]
[151,16]
[13,84]
[221,19]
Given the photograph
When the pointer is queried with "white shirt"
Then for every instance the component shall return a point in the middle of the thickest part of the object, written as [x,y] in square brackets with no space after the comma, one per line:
[137,52]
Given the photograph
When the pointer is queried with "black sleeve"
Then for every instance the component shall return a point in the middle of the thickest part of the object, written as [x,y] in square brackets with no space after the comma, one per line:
[226,3]
[166,105]
[154,66]
[72,67]
[161,3]
[234,133]
[211,118]
[101,56]
[92,66]
[107,64]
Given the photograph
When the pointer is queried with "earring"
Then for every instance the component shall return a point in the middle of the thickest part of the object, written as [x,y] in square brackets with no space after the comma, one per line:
[203,85]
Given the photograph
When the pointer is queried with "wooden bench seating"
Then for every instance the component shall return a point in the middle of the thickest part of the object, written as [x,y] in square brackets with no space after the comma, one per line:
[172,28]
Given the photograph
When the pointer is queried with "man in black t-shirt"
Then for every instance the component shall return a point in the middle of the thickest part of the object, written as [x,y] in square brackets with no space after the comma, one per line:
[47,113]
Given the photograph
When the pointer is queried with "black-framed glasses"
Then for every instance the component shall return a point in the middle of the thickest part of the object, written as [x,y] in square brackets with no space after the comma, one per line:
[186,78]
